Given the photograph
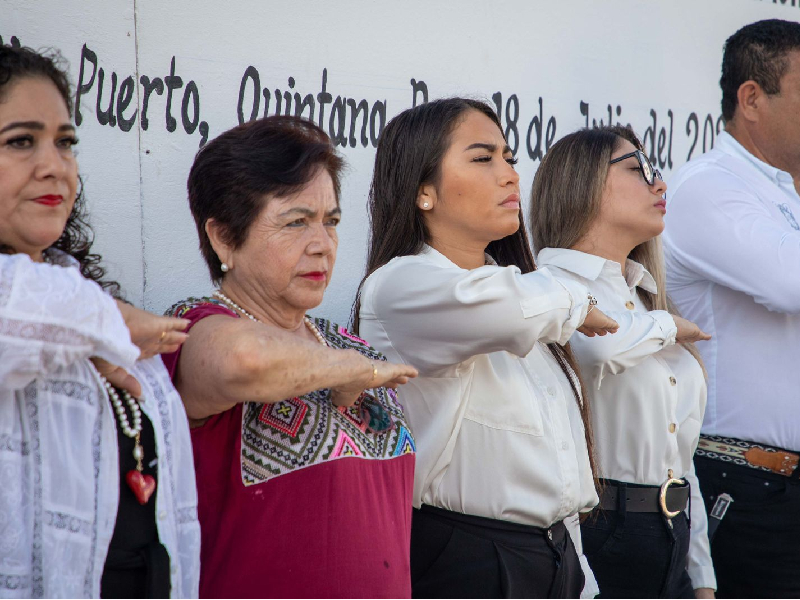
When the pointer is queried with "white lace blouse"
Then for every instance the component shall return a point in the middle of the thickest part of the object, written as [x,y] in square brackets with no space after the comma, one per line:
[59,469]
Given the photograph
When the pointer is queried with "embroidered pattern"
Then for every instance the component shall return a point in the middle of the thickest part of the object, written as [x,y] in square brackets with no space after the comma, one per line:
[729,450]
[787,212]
[301,432]
[71,523]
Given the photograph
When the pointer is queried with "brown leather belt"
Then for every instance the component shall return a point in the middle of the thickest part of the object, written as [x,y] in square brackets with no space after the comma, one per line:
[756,456]
[647,499]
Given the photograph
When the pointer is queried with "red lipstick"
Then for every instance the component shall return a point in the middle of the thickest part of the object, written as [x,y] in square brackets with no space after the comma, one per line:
[49,200]
[314,275]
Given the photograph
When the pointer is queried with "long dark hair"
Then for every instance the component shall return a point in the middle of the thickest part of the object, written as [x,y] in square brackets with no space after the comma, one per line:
[77,237]
[409,155]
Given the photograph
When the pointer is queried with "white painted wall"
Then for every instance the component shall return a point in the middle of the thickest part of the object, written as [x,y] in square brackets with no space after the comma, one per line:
[659,55]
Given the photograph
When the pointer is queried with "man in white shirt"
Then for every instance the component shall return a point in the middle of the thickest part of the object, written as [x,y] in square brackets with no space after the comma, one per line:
[732,246]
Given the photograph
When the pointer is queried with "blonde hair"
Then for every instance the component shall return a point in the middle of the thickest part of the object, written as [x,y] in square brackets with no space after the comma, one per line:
[565,201]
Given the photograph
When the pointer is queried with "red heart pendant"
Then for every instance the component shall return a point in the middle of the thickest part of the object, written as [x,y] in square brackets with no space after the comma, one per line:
[141,485]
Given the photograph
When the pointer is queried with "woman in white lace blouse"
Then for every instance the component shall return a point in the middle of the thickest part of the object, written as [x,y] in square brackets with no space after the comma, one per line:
[98,494]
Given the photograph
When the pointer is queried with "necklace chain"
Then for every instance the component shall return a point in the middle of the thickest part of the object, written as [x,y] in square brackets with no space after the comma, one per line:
[308,322]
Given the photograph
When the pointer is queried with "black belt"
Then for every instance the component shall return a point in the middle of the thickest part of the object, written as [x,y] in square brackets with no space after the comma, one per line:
[647,499]
[496,527]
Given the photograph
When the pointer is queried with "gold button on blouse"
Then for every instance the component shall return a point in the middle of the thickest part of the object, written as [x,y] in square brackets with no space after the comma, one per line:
[629,305]
[673,381]
[672,427]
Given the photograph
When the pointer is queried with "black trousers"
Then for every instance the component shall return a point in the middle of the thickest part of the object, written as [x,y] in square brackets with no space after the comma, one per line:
[756,549]
[638,555]
[462,556]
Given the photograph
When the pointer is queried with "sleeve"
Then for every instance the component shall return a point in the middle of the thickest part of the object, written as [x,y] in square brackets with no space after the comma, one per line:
[723,233]
[590,587]
[640,335]
[700,567]
[193,315]
[437,316]
[51,317]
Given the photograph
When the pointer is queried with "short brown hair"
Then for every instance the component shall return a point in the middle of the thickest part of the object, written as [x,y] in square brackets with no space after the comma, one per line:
[233,175]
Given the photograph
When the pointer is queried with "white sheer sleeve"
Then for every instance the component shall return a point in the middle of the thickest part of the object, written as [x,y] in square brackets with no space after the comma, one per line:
[51,317]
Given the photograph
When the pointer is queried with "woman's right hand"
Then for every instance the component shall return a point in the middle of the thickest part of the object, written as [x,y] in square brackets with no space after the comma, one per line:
[389,375]
[117,376]
[151,333]
[598,323]
[688,331]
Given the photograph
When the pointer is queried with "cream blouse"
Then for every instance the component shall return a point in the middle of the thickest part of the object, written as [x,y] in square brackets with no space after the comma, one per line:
[648,394]
[498,429]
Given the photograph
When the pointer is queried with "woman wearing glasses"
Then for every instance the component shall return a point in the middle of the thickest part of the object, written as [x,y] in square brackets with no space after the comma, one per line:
[451,287]
[597,210]
[304,460]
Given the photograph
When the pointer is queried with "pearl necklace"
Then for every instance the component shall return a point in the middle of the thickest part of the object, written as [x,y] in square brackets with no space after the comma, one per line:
[308,322]
[141,485]
[132,432]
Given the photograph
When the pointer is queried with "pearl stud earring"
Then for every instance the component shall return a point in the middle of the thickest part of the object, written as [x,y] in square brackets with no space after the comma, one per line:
[425,205]
[225,268]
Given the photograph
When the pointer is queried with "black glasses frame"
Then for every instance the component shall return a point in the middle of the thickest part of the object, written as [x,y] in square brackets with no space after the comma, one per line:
[645,166]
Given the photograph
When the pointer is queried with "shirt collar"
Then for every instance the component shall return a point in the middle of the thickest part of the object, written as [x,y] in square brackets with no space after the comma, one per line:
[58,257]
[590,266]
[637,276]
[440,259]
[729,145]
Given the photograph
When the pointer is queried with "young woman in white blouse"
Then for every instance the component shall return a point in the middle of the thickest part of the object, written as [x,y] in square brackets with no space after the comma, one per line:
[597,209]
[97,484]
[496,411]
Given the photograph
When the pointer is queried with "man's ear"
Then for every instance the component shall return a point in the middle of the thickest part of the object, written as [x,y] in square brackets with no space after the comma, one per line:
[215,233]
[750,97]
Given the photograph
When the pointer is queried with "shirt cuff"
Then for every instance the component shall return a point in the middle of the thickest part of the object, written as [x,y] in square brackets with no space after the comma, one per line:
[667,325]
[702,576]
[578,307]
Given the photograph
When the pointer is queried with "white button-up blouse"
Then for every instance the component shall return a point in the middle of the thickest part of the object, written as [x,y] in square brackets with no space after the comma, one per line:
[648,394]
[498,430]
[59,465]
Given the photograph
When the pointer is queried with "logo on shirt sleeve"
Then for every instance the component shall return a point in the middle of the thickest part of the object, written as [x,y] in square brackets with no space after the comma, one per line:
[787,212]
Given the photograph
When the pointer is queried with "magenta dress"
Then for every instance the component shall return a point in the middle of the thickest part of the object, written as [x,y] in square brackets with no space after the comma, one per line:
[299,499]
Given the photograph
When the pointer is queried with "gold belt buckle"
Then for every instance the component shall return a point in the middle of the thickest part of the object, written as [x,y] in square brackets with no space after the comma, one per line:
[662,497]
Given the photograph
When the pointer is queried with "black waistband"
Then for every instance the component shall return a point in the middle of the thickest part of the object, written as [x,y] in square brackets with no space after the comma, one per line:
[495,528]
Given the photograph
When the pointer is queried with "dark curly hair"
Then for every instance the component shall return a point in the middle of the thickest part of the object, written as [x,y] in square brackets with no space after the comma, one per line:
[77,238]
[757,52]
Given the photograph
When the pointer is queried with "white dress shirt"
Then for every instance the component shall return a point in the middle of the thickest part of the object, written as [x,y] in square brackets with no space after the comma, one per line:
[732,245]
[647,393]
[498,430]
[59,465]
